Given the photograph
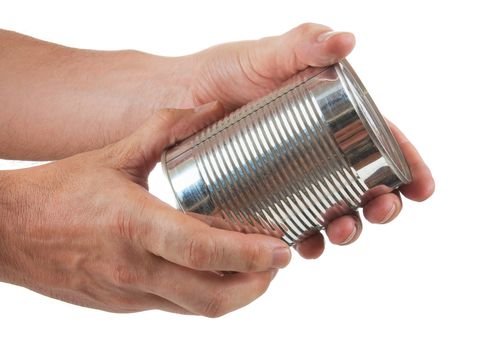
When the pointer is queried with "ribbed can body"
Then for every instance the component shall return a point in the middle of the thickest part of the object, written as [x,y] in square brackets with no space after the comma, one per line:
[290,162]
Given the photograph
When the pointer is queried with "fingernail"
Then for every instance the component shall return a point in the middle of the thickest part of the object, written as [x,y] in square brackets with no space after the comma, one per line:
[282,256]
[389,214]
[219,273]
[205,107]
[326,36]
[273,273]
[351,236]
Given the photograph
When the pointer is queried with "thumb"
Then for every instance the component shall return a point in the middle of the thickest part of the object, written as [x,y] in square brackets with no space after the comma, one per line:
[143,148]
[307,45]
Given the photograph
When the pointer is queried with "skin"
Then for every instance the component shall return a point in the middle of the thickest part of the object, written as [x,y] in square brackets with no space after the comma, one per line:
[124,250]
[85,229]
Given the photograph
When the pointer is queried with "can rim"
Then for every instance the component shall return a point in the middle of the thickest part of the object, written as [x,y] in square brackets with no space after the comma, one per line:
[374,122]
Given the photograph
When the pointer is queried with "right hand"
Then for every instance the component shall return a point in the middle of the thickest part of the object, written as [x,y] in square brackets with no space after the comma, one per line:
[236,73]
[86,230]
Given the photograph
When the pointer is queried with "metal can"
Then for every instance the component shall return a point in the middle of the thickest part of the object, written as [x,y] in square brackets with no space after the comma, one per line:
[290,162]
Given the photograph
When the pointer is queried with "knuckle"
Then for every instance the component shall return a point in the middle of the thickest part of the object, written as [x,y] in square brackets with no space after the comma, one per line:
[127,222]
[308,28]
[263,285]
[127,156]
[216,305]
[63,279]
[304,28]
[199,253]
[253,257]
[124,276]
[123,224]
[121,153]
[258,286]
[169,116]
[166,115]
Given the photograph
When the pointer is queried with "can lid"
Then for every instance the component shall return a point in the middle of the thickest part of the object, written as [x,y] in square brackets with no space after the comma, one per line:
[374,121]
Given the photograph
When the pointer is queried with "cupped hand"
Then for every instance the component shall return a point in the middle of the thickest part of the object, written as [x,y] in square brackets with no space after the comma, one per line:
[380,210]
[237,73]
[86,230]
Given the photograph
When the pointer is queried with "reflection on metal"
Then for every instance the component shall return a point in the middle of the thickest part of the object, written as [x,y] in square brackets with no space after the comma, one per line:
[290,162]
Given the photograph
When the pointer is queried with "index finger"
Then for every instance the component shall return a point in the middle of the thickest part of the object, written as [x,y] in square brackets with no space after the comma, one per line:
[188,242]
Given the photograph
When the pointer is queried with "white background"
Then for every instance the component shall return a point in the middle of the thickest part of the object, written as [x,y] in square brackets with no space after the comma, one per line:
[423,281]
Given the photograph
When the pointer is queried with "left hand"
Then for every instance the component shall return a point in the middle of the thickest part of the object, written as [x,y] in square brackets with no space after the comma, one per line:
[86,230]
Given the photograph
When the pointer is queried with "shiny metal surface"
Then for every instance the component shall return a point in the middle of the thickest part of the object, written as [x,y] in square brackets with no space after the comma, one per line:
[290,162]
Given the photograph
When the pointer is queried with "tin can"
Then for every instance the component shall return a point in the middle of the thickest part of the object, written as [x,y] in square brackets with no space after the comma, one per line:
[290,162]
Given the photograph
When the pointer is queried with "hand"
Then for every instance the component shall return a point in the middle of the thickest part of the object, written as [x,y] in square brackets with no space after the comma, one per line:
[86,230]
[237,73]
[134,85]
[380,210]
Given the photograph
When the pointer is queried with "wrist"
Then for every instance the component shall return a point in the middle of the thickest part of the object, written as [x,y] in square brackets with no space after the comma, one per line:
[20,216]
[129,86]
[148,83]
[84,99]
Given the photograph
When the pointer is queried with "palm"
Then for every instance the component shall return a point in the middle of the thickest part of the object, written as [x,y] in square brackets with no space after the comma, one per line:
[237,73]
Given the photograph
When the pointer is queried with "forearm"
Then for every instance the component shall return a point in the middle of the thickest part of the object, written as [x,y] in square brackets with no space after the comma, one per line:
[56,101]
[3,228]
[8,216]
